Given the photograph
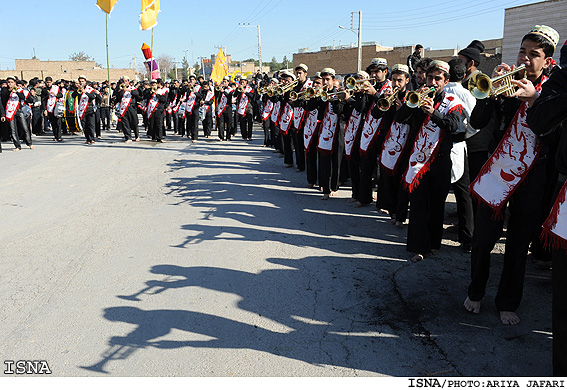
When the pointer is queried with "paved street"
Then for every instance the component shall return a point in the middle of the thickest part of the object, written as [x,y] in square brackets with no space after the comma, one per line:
[212,259]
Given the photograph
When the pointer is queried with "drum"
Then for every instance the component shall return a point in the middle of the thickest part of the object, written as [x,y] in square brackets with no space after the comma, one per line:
[71,117]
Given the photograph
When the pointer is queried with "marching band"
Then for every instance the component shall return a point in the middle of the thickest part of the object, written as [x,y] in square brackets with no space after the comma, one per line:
[415,129]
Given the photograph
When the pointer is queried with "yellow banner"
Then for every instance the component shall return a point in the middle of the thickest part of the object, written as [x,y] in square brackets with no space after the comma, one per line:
[220,69]
[148,17]
[106,5]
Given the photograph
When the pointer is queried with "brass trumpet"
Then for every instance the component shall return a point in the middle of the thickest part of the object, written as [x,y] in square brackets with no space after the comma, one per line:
[15,89]
[385,103]
[154,89]
[80,90]
[352,83]
[219,88]
[482,86]
[307,94]
[240,89]
[416,99]
[326,96]
[285,88]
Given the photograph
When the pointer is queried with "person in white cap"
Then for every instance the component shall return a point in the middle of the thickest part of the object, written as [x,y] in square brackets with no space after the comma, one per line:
[299,115]
[428,176]
[128,97]
[13,98]
[87,100]
[245,109]
[286,118]
[515,173]
[224,109]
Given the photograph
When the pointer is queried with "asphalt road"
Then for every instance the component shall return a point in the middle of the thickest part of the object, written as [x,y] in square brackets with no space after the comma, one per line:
[212,259]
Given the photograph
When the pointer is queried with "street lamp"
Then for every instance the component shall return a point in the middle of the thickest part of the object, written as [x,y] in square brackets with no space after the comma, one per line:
[359,30]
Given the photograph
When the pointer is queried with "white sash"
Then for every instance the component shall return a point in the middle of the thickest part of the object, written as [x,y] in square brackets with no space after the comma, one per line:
[328,130]
[369,130]
[244,101]
[210,96]
[223,101]
[84,101]
[286,118]
[191,102]
[299,112]
[555,226]
[153,103]
[310,128]
[52,99]
[125,103]
[427,141]
[12,105]
[394,145]
[276,112]
[351,130]
[267,109]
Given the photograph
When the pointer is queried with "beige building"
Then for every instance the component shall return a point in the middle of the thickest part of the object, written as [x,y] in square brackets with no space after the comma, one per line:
[519,20]
[344,59]
[68,70]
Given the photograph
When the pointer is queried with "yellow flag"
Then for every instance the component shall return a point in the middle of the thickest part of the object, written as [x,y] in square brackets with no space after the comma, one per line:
[148,17]
[106,5]
[221,68]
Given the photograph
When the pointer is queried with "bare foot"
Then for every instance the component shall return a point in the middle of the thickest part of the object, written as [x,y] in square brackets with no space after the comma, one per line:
[325,197]
[472,306]
[137,139]
[16,149]
[32,147]
[333,193]
[128,141]
[509,318]
[383,211]
[417,258]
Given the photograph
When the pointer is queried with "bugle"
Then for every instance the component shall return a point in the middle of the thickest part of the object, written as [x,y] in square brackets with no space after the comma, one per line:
[285,88]
[352,83]
[385,103]
[307,94]
[482,86]
[416,99]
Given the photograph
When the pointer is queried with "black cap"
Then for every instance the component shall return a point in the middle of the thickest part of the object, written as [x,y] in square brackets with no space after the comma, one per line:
[473,50]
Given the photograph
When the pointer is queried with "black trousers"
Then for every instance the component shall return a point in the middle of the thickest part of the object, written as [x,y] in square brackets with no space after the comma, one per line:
[155,124]
[525,207]
[367,169]
[464,206]
[168,120]
[311,164]
[329,167]
[427,202]
[55,125]
[267,133]
[97,122]
[354,171]
[88,123]
[37,121]
[288,151]
[297,138]
[193,124]
[130,122]
[208,124]
[246,125]
[276,139]
[105,118]
[225,121]
[180,123]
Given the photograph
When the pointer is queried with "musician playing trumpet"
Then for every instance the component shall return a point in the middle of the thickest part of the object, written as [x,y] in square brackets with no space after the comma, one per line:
[224,109]
[428,176]
[516,173]
[127,96]
[244,108]
[86,96]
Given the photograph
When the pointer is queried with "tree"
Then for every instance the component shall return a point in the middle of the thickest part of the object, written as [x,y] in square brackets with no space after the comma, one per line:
[197,69]
[184,68]
[165,63]
[80,56]
[274,65]
[285,63]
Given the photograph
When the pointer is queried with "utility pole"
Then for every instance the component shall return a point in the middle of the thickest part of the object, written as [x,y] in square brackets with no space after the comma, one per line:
[135,68]
[259,43]
[359,56]
[175,62]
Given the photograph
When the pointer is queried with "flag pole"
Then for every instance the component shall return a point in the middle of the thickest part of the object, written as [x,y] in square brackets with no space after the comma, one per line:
[152,59]
[107,60]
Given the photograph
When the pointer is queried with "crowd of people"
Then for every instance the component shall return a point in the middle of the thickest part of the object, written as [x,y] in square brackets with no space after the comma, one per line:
[414,130]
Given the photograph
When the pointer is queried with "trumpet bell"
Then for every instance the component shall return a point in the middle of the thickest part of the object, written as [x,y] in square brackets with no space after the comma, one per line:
[480,86]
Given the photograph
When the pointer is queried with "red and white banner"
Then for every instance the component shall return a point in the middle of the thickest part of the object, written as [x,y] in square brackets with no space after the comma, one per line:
[310,129]
[286,118]
[394,145]
[351,130]
[328,132]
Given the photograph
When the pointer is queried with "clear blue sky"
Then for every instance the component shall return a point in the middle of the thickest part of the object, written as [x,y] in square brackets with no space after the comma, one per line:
[60,27]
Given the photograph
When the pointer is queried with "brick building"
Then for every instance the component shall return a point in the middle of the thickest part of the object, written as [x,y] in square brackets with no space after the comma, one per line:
[519,20]
[27,69]
[344,59]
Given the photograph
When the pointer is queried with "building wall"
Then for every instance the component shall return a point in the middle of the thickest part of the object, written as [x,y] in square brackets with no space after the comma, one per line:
[519,20]
[27,69]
